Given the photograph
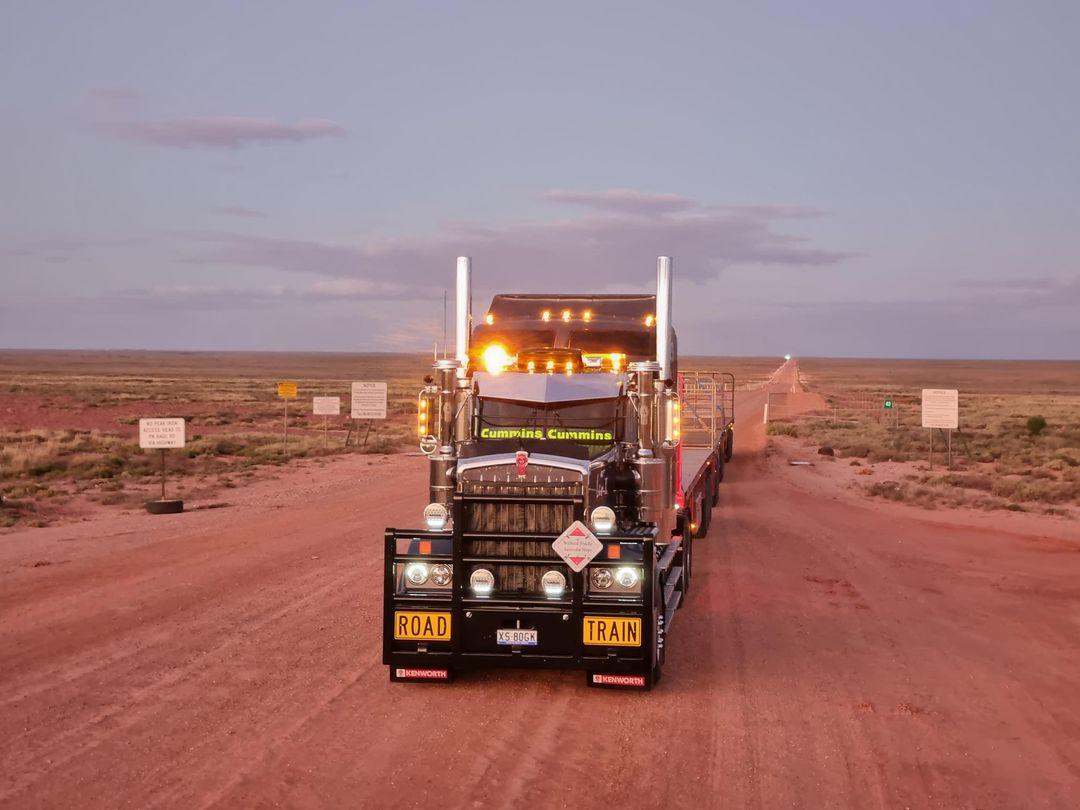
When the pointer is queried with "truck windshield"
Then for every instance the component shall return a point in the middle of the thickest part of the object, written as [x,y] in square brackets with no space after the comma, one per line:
[595,425]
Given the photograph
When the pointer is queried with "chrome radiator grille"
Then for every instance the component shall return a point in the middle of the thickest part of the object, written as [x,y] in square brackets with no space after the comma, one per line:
[518,514]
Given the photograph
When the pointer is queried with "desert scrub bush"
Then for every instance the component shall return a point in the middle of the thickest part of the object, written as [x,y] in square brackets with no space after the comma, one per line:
[782,429]
[1036,425]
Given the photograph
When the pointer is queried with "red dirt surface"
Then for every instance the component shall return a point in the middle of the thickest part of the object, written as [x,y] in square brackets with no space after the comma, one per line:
[830,655]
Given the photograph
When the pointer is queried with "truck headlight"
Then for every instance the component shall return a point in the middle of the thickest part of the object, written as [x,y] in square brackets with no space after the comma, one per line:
[416,573]
[627,577]
[603,519]
[482,582]
[553,583]
[441,574]
[602,578]
[436,516]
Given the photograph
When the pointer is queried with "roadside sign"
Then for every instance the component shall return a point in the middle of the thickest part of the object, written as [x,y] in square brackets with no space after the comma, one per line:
[286,390]
[326,406]
[368,400]
[940,408]
[888,405]
[159,434]
[577,546]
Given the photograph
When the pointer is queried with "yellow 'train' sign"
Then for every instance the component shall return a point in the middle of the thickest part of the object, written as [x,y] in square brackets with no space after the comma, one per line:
[286,390]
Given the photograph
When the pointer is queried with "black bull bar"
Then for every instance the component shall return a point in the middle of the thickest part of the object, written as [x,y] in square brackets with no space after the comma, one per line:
[474,621]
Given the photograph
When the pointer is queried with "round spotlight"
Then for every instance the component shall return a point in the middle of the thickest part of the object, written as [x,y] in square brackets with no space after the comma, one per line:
[553,583]
[603,519]
[441,574]
[436,516]
[416,573]
[626,577]
[482,582]
[601,578]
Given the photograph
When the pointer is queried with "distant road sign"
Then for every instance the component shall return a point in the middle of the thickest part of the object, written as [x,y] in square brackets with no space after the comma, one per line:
[286,390]
[369,400]
[940,408]
[160,434]
[326,406]
[888,405]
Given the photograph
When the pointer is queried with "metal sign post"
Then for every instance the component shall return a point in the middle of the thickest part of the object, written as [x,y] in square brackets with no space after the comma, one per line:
[941,410]
[326,407]
[368,402]
[160,434]
[286,390]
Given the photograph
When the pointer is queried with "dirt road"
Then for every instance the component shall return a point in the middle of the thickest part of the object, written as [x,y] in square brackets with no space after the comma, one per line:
[827,658]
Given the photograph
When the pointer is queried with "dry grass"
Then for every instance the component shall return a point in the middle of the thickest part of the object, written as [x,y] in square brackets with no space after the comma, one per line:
[998,462]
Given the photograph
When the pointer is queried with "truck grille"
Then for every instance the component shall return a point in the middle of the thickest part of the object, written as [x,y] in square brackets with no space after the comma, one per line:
[516,514]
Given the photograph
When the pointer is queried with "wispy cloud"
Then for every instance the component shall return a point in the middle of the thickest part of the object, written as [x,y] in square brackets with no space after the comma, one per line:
[622,201]
[240,211]
[228,132]
[116,112]
[607,248]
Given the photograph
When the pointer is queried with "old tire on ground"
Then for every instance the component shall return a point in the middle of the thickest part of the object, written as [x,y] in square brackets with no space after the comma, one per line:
[169,506]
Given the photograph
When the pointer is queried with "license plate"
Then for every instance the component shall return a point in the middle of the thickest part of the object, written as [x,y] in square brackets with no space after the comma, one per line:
[518,638]
[612,631]
[412,625]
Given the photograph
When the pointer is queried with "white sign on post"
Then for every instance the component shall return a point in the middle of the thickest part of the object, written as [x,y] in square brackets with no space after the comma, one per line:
[159,434]
[941,408]
[326,406]
[369,400]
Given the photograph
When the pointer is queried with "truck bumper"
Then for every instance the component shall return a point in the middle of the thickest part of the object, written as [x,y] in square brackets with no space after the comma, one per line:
[473,624]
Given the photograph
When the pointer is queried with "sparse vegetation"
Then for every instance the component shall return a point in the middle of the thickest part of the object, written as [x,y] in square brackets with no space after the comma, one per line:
[1003,458]
[71,426]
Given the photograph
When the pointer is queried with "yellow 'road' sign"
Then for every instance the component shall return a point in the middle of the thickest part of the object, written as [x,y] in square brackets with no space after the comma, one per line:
[286,390]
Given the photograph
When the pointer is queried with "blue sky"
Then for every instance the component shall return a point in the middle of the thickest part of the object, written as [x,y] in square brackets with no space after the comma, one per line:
[832,179]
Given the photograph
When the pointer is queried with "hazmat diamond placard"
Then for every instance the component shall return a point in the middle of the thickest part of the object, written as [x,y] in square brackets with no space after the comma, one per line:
[577,545]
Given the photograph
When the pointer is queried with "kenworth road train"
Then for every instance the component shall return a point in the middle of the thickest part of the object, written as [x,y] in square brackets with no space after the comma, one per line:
[572,464]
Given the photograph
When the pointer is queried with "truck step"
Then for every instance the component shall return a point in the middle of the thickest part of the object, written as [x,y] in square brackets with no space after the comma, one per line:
[674,580]
[668,555]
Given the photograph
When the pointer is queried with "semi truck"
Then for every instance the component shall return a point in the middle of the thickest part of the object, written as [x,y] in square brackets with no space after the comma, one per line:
[572,466]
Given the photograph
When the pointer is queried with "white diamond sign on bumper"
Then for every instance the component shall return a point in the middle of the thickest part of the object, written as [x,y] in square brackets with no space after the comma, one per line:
[577,545]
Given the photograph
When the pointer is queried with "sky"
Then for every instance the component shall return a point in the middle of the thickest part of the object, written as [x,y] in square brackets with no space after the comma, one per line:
[832,179]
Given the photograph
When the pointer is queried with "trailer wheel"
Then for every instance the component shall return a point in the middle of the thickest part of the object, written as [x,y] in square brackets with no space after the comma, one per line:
[729,445]
[705,515]
[720,468]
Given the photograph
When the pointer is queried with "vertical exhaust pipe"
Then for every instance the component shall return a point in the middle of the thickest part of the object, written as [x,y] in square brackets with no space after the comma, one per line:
[463,318]
[663,316]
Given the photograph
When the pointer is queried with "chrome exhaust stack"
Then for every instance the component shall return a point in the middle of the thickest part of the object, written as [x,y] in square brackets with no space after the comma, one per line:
[451,394]
[463,319]
[663,316]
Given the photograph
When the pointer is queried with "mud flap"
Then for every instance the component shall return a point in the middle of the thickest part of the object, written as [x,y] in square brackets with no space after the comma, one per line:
[421,675]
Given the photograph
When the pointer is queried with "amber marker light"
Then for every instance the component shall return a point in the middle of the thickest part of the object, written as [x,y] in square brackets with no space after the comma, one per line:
[489,319]
[586,315]
[569,367]
[649,319]
[616,361]
[550,366]
[546,315]
[532,366]
[496,359]
[566,315]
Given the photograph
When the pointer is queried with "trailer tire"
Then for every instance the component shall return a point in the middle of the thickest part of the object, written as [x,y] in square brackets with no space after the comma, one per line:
[704,517]
[720,469]
[729,445]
